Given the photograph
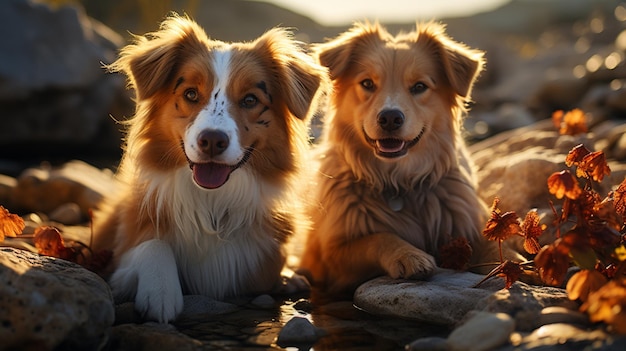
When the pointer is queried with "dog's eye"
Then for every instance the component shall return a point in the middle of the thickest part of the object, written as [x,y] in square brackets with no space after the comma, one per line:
[418,88]
[249,101]
[368,84]
[191,95]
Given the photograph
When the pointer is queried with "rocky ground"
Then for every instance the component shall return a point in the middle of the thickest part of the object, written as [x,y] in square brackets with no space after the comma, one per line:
[569,57]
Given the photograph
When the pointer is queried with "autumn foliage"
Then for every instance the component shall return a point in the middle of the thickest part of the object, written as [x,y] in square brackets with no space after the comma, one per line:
[590,233]
[49,241]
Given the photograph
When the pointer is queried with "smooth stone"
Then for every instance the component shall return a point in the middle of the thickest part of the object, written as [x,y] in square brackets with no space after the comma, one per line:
[297,331]
[433,343]
[482,331]
[264,301]
[443,299]
[557,314]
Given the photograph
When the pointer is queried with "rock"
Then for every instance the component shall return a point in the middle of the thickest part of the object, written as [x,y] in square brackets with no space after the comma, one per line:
[448,296]
[68,214]
[482,331]
[202,305]
[303,305]
[560,333]
[298,331]
[524,302]
[515,165]
[45,189]
[444,299]
[264,301]
[7,184]
[151,336]
[556,314]
[51,304]
[432,343]
[54,93]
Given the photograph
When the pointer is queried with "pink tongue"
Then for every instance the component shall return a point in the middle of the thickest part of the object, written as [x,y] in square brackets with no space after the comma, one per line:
[211,175]
[390,145]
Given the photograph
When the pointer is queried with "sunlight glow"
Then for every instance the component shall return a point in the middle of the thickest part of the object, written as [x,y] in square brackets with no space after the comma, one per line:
[343,12]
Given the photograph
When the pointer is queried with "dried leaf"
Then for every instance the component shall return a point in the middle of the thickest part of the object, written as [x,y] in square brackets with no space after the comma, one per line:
[511,271]
[564,184]
[10,224]
[619,199]
[501,226]
[553,261]
[594,166]
[576,154]
[531,230]
[455,254]
[571,123]
[584,282]
[49,242]
[608,304]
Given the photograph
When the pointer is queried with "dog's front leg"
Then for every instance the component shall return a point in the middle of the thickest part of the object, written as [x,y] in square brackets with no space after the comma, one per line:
[149,272]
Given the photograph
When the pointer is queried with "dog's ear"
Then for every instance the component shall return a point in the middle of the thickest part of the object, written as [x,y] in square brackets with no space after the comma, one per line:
[461,64]
[299,78]
[151,60]
[338,53]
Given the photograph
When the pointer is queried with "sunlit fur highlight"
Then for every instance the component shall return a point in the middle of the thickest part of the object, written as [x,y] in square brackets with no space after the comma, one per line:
[355,234]
[226,241]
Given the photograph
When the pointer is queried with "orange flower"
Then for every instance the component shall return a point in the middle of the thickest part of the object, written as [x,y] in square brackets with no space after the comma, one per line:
[576,154]
[594,166]
[564,184]
[531,230]
[501,226]
[571,123]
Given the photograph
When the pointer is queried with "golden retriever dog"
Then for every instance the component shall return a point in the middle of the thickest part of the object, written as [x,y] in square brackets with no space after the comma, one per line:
[209,165]
[394,181]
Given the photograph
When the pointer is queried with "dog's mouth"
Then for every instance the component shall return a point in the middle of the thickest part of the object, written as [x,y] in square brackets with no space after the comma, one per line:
[212,175]
[392,147]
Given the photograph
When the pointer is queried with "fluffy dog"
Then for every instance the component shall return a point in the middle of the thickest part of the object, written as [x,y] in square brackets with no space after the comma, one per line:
[209,161]
[395,181]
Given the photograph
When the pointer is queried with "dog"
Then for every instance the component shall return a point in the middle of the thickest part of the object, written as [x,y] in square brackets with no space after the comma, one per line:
[394,180]
[209,164]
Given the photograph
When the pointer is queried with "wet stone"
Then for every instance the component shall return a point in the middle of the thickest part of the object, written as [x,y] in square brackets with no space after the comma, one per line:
[482,331]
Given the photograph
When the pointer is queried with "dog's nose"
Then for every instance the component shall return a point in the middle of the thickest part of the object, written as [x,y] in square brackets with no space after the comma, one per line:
[390,120]
[213,142]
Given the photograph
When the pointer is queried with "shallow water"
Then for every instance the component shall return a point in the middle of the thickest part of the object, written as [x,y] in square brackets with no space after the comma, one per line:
[346,328]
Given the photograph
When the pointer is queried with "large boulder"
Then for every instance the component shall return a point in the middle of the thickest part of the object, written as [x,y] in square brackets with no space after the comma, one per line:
[55,95]
[47,303]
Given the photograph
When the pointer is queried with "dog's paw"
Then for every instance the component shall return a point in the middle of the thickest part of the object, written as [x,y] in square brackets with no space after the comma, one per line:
[409,264]
[159,300]
[149,272]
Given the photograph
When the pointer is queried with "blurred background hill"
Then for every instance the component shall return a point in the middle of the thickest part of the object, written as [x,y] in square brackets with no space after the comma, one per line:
[57,102]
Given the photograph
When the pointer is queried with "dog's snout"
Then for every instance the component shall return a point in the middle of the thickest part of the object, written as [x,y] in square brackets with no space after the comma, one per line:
[390,120]
[213,142]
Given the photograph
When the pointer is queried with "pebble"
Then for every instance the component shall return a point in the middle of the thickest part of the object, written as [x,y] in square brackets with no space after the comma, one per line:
[557,314]
[482,331]
[68,214]
[298,331]
[433,343]
[264,301]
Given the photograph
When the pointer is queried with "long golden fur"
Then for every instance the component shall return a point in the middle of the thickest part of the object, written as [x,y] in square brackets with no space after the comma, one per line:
[210,159]
[395,181]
